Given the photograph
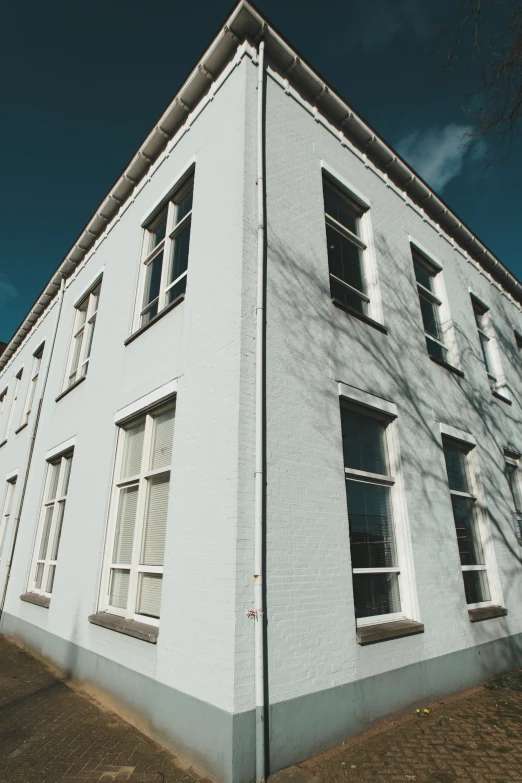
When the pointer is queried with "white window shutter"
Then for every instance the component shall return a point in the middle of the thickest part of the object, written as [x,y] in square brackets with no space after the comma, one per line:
[149,596]
[125,525]
[163,435]
[156,521]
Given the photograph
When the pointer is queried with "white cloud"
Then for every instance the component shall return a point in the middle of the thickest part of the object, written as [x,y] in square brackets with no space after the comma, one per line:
[7,289]
[438,154]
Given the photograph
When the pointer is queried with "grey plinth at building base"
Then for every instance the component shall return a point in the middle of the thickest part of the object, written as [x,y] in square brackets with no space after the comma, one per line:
[223,744]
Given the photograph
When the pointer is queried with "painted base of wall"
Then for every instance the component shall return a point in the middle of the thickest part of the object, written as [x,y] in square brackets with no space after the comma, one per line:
[223,745]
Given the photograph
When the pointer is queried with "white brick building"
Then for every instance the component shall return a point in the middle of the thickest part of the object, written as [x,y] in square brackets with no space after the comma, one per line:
[131,402]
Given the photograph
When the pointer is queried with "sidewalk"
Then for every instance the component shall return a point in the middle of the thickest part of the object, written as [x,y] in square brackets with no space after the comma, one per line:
[50,732]
[475,737]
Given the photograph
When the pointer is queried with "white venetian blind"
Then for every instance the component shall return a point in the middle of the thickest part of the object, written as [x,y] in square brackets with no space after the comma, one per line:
[125,525]
[133,450]
[163,435]
[156,521]
[149,597]
[119,588]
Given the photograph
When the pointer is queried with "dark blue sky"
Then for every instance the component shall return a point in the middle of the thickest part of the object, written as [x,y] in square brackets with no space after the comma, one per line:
[83,83]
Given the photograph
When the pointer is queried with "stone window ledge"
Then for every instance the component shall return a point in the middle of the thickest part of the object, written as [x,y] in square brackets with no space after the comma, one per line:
[381,632]
[143,631]
[71,387]
[486,613]
[361,316]
[35,598]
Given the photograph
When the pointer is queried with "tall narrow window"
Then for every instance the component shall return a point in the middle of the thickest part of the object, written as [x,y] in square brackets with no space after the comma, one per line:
[430,304]
[3,401]
[166,252]
[139,516]
[515,484]
[345,248]
[488,347]
[465,515]
[37,360]
[518,341]
[13,404]
[83,333]
[372,537]
[6,510]
[50,525]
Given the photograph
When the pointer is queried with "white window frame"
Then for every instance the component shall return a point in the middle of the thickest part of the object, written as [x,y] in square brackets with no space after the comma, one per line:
[135,568]
[16,390]
[512,462]
[467,443]
[364,240]
[165,246]
[486,332]
[3,401]
[387,411]
[83,331]
[54,503]
[7,507]
[33,380]
[439,297]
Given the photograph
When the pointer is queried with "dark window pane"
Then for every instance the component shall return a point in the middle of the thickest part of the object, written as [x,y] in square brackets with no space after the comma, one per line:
[372,542]
[484,345]
[476,586]
[436,349]
[177,290]
[376,594]
[344,258]
[149,313]
[153,279]
[346,297]
[184,205]
[430,316]
[180,253]
[341,208]
[478,313]
[457,467]
[363,442]
[422,276]
[158,229]
[468,538]
[514,484]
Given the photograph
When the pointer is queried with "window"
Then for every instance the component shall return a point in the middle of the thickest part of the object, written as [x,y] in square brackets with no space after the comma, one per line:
[518,341]
[51,522]
[6,510]
[488,346]
[166,252]
[430,304]
[346,248]
[13,404]
[3,400]
[37,360]
[515,484]
[369,488]
[465,514]
[139,516]
[83,332]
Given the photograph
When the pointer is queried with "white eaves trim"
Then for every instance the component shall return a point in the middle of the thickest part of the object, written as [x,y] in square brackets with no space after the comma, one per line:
[368,400]
[453,432]
[162,392]
[61,448]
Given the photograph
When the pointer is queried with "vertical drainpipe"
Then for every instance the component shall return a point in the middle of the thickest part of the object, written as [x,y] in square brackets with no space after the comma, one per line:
[31,449]
[259,621]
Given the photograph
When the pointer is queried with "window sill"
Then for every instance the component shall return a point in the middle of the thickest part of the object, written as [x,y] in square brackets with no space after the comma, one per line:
[381,632]
[143,631]
[71,387]
[486,613]
[365,318]
[154,320]
[34,598]
[22,427]
[500,396]
[446,365]
[3,443]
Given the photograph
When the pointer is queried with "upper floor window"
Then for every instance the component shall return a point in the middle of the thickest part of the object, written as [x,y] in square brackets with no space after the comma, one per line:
[3,401]
[514,477]
[138,518]
[50,524]
[83,333]
[33,380]
[369,488]
[346,248]
[431,305]
[518,341]
[14,399]
[163,279]
[6,510]
[489,348]
[462,487]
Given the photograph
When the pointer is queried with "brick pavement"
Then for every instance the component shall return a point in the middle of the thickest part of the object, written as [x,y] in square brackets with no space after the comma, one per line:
[50,732]
[475,737]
